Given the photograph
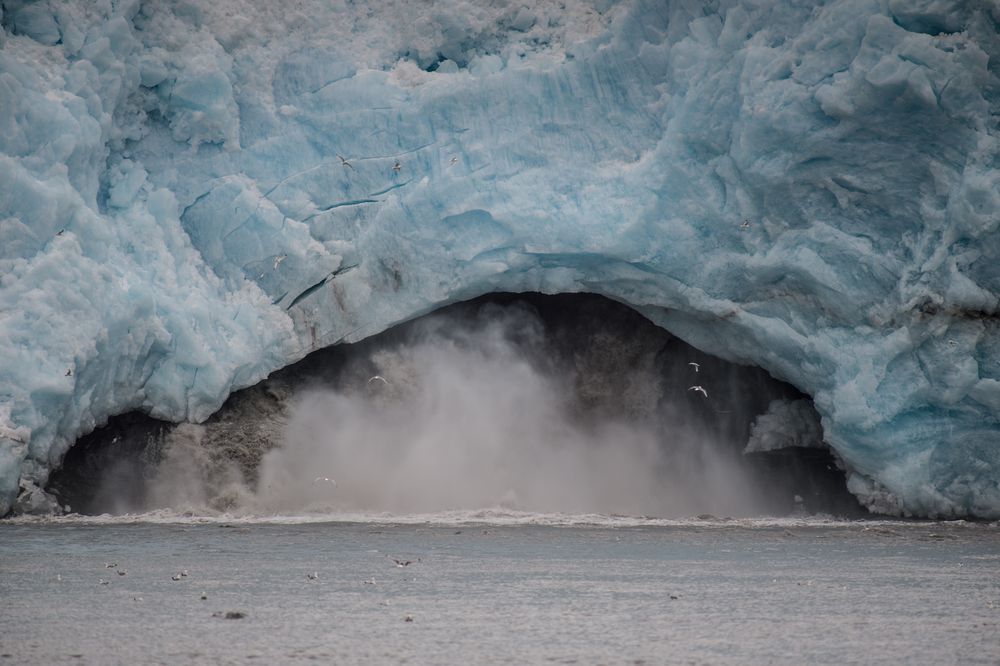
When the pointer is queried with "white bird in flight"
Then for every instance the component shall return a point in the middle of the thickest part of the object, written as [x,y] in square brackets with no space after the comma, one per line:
[277,260]
[746,224]
[397,166]
[377,378]
[699,389]
[325,479]
[696,366]
[344,162]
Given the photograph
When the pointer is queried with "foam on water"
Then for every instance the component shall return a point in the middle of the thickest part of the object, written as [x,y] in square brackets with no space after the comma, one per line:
[491,517]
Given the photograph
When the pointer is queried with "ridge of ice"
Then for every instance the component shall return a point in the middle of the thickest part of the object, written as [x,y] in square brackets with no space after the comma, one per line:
[175,221]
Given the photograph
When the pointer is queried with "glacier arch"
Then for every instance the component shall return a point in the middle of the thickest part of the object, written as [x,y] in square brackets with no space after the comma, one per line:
[571,402]
[198,194]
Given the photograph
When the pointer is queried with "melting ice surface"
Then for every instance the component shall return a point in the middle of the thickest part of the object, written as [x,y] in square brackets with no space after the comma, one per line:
[196,194]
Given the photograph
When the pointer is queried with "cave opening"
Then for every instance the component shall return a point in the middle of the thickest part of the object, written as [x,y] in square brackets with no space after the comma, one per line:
[570,403]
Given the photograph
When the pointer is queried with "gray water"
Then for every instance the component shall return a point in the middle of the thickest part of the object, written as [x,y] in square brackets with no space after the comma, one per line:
[492,588]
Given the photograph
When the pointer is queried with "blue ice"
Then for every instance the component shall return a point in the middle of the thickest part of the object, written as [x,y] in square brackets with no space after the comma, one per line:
[195,194]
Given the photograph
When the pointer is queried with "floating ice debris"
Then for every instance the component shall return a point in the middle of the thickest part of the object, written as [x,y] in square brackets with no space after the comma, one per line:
[230,615]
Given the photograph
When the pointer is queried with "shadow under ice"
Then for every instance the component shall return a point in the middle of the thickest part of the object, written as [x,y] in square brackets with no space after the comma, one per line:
[568,403]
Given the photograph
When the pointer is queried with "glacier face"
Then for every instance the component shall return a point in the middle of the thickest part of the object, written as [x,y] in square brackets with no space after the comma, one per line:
[195,194]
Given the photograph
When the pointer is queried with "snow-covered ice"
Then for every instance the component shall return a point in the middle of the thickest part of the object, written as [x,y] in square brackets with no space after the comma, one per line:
[194,194]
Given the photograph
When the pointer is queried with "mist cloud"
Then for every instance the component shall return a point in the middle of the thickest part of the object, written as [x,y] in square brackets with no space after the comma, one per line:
[477,414]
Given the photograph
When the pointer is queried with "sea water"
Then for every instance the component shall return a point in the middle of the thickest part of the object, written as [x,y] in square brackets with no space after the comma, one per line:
[496,587]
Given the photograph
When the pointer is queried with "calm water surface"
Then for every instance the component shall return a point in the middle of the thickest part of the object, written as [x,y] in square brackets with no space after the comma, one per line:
[499,592]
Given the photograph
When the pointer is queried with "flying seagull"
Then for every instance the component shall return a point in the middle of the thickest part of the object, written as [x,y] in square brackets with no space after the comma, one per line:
[746,224]
[277,260]
[402,563]
[696,365]
[699,389]
[69,372]
[453,161]
[377,378]
[397,166]
[344,162]
[312,576]
[324,479]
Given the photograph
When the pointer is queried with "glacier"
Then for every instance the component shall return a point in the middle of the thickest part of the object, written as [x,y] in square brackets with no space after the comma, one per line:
[194,194]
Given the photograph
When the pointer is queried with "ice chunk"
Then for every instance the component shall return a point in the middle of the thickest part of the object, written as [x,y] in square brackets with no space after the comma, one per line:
[787,423]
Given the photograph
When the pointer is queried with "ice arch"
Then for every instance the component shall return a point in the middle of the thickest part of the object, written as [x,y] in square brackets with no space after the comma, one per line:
[195,195]
[570,403]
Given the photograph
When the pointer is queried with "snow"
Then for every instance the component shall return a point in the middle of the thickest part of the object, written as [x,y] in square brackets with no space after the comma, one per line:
[176,221]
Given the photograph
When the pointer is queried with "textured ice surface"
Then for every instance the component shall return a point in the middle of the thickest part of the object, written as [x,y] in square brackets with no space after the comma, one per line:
[177,221]
[786,424]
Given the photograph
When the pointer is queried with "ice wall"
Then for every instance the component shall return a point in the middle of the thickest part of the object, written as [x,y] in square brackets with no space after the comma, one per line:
[193,194]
